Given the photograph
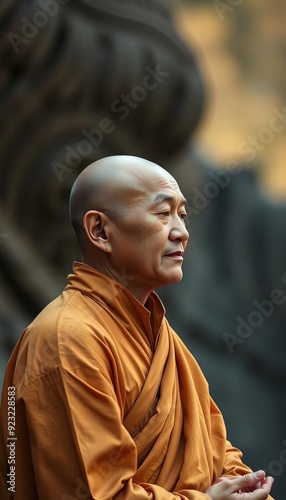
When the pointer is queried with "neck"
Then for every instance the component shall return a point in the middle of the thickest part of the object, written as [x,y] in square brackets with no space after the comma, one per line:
[128,281]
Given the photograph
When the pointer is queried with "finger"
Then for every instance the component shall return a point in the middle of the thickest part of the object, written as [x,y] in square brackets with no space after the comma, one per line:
[267,483]
[264,485]
[248,481]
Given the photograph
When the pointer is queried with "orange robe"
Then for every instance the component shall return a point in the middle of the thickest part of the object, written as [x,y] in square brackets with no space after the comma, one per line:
[110,403]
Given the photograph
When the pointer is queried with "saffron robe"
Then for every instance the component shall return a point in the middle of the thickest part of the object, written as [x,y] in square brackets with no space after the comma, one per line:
[110,403]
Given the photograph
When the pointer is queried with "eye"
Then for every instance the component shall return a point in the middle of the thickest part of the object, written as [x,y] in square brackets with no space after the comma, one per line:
[184,218]
[166,213]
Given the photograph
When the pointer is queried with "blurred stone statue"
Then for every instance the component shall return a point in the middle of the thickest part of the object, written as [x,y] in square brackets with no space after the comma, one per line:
[84,79]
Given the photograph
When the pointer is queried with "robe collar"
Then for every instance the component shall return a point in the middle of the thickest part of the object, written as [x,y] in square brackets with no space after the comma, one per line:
[117,299]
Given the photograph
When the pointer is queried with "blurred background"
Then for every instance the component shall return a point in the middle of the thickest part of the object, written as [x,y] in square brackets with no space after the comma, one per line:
[200,88]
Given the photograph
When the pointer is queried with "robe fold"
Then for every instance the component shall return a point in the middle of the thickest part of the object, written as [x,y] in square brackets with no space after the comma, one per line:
[110,403]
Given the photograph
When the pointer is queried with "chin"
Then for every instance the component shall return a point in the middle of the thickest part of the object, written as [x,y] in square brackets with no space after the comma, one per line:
[176,278]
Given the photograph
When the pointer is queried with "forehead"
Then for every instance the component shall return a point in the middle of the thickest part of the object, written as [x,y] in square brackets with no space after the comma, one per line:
[155,188]
[163,187]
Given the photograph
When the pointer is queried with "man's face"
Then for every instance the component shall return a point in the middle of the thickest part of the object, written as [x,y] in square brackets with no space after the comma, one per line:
[149,240]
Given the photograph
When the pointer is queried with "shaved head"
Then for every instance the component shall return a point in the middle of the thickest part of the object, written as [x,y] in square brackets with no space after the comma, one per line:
[129,217]
[110,185]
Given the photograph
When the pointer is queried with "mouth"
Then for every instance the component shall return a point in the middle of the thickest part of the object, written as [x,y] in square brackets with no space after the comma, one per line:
[179,255]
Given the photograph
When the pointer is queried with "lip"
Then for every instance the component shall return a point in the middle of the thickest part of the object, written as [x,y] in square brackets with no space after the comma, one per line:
[176,255]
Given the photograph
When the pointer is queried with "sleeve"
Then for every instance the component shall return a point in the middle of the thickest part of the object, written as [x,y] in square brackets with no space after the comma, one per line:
[233,465]
[80,448]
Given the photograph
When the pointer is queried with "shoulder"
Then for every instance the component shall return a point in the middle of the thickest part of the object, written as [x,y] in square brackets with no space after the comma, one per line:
[68,333]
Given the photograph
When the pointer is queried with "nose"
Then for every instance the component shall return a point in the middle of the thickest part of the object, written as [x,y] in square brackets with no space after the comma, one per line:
[179,232]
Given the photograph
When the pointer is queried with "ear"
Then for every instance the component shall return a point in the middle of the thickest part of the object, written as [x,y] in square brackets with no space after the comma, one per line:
[96,228]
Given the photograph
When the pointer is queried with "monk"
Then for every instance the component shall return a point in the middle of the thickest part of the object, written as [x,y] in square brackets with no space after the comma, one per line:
[101,399]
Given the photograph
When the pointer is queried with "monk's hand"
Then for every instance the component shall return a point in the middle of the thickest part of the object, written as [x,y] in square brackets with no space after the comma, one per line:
[252,486]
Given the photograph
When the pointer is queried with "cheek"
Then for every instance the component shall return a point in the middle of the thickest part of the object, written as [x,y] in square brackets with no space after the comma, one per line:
[149,237]
[146,235]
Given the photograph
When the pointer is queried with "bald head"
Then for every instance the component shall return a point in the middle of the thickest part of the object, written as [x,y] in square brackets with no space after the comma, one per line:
[129,217]
[110,185]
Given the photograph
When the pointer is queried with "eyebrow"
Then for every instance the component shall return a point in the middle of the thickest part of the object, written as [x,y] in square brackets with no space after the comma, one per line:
[167,197]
